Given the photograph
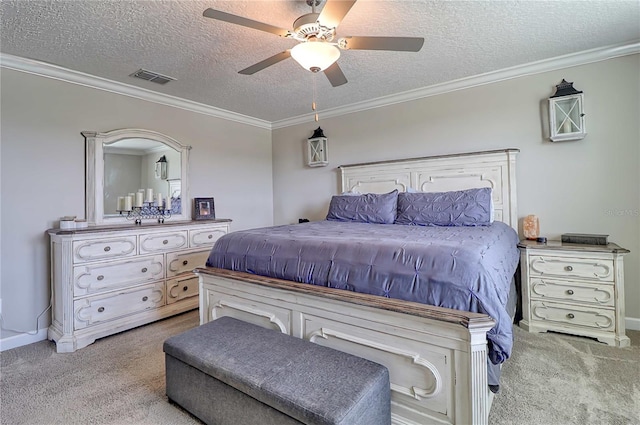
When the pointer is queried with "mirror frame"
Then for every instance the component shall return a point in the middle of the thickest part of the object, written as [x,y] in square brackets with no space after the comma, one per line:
[94,172]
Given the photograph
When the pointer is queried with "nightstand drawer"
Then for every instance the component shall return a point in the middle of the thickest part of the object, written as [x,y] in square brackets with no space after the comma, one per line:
[574,316]
[572,292]
[571,268]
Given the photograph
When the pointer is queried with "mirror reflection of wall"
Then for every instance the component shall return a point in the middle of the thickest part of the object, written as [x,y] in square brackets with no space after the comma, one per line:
[130,164]
[122,175]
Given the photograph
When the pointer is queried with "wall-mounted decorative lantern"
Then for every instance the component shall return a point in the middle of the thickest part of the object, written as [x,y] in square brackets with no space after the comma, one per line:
[161,168]
[566,113]
[317,149]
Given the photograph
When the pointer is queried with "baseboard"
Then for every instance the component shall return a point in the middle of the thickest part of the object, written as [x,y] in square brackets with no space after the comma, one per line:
[632,323]
[22,339]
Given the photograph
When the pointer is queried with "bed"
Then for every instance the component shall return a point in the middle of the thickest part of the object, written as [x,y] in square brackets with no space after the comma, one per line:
[437,357]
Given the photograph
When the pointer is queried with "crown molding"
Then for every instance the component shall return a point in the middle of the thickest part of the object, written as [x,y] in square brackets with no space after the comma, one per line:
[75,77]
[56,72]
[560,62]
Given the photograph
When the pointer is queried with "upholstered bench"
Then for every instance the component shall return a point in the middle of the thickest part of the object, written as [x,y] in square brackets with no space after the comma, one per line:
[228,372]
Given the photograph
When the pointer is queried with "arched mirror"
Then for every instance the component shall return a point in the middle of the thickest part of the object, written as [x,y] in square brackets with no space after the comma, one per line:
[123,162]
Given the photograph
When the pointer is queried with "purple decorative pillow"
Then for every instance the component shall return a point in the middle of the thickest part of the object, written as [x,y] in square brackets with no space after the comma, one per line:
[470,207]
[367,208]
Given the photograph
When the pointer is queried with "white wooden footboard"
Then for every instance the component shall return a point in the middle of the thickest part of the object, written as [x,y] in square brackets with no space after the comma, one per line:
[437,357]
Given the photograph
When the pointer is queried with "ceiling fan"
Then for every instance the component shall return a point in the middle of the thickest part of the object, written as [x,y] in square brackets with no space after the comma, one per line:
[315,31]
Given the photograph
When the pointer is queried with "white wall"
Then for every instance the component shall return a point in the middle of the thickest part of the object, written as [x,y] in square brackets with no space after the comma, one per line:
[42,173]
[587,186]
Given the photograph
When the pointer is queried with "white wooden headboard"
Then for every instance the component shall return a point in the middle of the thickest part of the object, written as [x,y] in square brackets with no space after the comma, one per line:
[443,173]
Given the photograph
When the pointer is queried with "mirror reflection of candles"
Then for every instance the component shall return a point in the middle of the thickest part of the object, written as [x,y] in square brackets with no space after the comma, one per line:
[133,163]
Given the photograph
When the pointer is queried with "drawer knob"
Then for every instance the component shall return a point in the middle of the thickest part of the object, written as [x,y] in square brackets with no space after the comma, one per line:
[569,291]
[570,316]
[145,298]
[185,262]
[107,248]
[210,236]
[100,277]
[100,309]
[144,270]
[186,288]
[568,268]
[164,242]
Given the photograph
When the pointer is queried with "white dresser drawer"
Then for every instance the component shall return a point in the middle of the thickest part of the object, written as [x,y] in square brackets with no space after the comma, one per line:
[178,263]
[102,308]
[205,237]
[101,277]
[560,290]
[571,268]
[181,288]
[102,249]
[573,315]
[160,242]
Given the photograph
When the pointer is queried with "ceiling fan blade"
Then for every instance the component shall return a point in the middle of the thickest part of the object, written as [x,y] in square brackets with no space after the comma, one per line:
[334,12]
[401,44]
[266,63]
[335,75]
[239,20]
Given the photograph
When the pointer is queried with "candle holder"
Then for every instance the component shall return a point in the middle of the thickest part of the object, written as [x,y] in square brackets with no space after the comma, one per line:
[148,210]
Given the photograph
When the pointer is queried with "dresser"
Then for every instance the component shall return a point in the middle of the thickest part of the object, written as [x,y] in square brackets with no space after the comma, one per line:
[107,279]
[574,288]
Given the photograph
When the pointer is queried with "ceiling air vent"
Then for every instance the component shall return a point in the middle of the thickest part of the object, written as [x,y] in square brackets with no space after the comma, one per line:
[152,76]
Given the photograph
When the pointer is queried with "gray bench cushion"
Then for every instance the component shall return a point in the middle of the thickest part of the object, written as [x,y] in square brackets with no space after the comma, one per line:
[308,382]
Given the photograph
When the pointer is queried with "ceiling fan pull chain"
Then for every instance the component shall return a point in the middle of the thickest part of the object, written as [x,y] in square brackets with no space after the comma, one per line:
[313,103]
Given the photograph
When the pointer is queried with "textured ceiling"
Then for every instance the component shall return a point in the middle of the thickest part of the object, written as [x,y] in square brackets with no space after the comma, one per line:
[112,39]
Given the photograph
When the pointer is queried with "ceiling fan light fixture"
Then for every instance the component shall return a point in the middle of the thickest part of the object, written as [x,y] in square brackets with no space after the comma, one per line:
[315,56]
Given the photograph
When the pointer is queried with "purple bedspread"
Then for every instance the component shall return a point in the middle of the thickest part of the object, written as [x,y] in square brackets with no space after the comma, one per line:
[464,268]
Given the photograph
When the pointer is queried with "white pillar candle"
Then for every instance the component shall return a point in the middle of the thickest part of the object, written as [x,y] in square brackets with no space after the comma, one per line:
[159,199]
[149,197]
[168,206]
[139,200]
[127,203]
[120,203]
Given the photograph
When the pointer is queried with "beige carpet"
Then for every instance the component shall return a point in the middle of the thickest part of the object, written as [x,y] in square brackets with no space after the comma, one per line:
[551,379]
[561,379]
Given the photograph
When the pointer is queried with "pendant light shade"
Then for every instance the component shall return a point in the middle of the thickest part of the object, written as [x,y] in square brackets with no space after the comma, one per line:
[315,56]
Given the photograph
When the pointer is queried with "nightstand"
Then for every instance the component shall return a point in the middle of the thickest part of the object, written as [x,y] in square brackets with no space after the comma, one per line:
[575,289]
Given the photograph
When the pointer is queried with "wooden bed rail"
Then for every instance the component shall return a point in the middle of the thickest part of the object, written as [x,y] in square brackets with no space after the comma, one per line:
[465,318]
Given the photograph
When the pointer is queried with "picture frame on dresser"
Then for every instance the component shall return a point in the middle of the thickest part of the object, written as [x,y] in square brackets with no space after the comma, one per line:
[204,209]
